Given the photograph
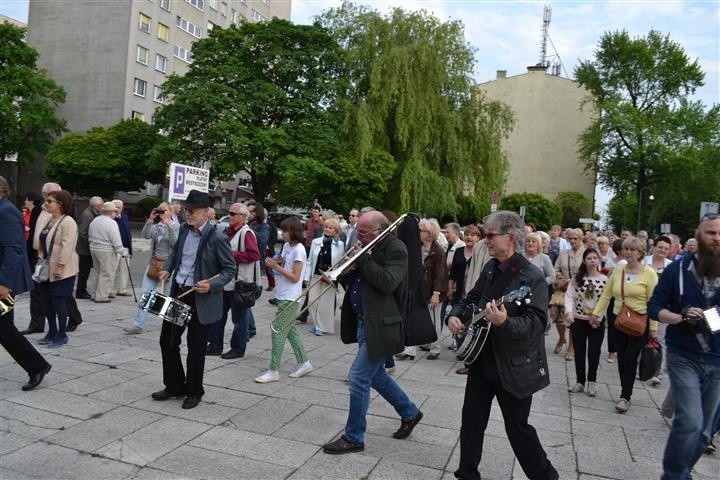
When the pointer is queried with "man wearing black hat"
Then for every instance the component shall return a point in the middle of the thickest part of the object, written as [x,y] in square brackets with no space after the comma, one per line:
[201,263]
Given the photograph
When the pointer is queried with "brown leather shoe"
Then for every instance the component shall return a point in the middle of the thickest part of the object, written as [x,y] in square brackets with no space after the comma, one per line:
[342,445]
[462,371]
[406,428]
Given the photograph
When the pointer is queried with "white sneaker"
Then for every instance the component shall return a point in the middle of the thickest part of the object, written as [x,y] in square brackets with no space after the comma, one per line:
[591,389]
[269,376]
[302,370]
[577,388]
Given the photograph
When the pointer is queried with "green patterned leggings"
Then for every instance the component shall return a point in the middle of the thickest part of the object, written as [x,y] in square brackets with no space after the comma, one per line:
[289,311]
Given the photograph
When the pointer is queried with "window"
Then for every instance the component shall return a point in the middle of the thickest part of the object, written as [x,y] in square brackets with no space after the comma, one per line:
[165,5]
[199,4]
[137,115]
[257,16]
[244,2]
[233,16]
[213,4]
[182,54]
[144,23]
[188,26]
[142,55]
[163,32]
[210,26]
[139,87]
[223,9]
[158,95]
[160,63]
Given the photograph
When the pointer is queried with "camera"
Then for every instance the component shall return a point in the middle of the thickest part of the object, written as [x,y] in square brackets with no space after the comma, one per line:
[158,214]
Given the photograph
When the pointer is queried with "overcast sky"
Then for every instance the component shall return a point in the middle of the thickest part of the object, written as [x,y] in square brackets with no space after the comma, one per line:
[506,34]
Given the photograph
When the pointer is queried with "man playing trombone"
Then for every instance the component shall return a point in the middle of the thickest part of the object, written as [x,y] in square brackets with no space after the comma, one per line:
[372,315]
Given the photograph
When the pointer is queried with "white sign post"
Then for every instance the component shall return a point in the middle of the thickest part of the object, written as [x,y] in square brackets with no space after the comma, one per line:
[184,178]
[708,207]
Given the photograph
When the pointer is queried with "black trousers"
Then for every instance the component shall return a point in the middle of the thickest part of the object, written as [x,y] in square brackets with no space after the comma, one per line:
[627,359]
[174,377]
[18,346]
[37,314]
[479,393]
[85,265]
[583,335]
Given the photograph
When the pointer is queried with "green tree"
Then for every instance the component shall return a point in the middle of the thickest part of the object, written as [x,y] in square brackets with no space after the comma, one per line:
[539,210]
[259,98]
[574,205]
[105,160]
[646,124]
[411,116]
[28,98]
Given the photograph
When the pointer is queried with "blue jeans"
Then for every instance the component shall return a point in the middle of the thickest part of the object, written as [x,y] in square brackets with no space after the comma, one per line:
[696,393]
[369,372]
[148,284]
[240,317]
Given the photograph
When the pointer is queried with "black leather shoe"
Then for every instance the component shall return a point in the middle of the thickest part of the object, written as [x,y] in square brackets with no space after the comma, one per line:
[272,301]
[212,353]
[71,328]
[190,401]
[251,334]
[29,331]
[342,445]
[404,356]
[163,395]
[406,428]
[36,379]
[83,296]
[230,354]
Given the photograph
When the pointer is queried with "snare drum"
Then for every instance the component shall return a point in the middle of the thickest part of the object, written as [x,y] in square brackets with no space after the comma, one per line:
[167,308]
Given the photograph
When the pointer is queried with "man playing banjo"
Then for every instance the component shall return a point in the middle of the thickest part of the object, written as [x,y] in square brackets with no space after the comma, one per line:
[512,364]
[202,264]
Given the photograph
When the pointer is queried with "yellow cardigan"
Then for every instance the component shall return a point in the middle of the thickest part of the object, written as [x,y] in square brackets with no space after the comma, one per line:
[637,292]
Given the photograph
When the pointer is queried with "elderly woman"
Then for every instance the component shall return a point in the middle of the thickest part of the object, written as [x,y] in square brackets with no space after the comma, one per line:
[533,253]
[436,270]
[632,285]
[325,252]
[106,249]
[57,245]
[162,233]
[566,266]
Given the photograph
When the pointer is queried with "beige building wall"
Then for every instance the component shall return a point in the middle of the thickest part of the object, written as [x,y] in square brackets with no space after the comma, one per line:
[542,149]
[112,56]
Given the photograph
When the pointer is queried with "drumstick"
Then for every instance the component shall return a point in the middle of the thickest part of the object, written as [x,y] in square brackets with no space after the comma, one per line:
[193,288]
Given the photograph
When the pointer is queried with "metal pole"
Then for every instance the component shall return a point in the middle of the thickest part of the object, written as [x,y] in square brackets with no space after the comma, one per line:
[132,285]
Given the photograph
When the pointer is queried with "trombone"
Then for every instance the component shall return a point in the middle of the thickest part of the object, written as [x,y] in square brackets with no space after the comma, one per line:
[7,304]
[332,275]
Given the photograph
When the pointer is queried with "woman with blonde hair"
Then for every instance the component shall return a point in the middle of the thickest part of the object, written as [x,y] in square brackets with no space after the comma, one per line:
[631,285]
[325,252]
[162,233]
[436,270]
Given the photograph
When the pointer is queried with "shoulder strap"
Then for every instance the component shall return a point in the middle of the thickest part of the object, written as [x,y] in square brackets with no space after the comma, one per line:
[622,285]
[52,240]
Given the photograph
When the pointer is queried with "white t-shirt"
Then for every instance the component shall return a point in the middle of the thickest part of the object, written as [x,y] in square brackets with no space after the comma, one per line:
[285,289]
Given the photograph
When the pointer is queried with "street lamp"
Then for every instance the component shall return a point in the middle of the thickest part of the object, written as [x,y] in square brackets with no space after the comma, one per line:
[640,198]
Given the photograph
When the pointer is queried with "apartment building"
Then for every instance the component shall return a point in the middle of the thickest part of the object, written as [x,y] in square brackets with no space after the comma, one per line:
[542,149]
[113,56]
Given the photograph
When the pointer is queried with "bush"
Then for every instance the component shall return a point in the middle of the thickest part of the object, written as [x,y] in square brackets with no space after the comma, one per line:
[147,204]
[539,210]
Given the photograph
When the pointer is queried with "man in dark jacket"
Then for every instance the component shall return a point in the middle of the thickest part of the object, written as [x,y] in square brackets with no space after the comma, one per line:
[201,264]
[372,315]
[14,280]
[512,365]
[687,299]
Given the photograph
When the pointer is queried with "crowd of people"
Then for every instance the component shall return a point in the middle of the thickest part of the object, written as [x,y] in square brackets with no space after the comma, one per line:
[585,283]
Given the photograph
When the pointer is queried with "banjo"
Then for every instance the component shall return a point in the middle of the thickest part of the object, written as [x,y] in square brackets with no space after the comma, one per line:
[477,330]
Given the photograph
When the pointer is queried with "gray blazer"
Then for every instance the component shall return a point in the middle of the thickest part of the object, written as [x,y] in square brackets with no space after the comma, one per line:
[213,257]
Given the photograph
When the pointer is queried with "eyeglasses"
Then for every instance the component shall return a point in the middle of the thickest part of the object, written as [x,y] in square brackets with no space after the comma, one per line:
[232,214]
[352,215]
[49,200]
[362,234]
[491,235]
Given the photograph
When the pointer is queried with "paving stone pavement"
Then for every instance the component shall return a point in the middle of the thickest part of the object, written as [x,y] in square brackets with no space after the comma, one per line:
[92,417]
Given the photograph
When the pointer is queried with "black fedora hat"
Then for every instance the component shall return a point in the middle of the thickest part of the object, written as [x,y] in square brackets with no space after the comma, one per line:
[196,199]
